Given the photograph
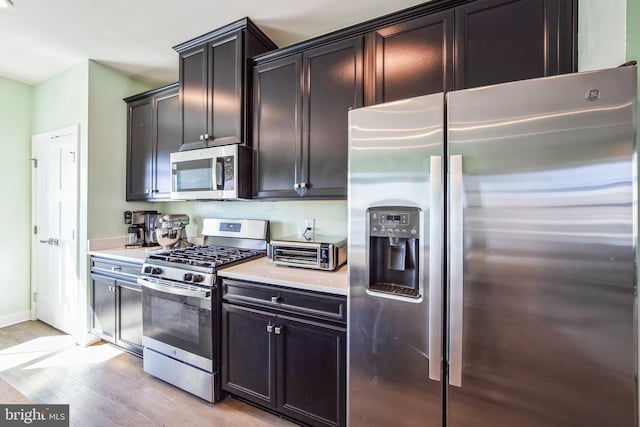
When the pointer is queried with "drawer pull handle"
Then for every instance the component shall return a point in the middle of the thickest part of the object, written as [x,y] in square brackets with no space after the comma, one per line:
[275,300]
[116,268]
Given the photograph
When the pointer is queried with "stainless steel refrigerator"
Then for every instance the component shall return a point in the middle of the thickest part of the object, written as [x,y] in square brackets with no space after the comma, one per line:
[492,256]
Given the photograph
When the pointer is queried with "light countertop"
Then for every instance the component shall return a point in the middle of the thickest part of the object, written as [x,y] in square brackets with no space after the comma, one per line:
[261,270]
[125,254]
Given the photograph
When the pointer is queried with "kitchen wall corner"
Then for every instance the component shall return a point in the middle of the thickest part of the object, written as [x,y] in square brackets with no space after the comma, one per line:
[15,187]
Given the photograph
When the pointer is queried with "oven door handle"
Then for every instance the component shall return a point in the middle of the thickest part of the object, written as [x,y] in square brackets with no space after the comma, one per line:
[175,291]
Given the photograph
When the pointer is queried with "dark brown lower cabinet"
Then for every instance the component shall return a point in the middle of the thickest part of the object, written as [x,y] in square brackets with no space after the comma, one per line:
[289,364]
[311,372]
[248,354]
[116,303]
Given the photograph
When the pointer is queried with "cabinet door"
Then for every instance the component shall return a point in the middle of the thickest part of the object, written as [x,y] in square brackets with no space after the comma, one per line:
[411,58]
[277,127]
[248,354]
[167,140]
[103,306]
[225,90]
[130,316]
[333,81]
[193,96]
[505,40]
[140,150]
[312,372]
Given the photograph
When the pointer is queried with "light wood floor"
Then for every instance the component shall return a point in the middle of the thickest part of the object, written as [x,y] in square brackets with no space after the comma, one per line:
[107,387]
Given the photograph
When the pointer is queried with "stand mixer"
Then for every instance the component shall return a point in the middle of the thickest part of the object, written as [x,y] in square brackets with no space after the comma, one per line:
[171,231]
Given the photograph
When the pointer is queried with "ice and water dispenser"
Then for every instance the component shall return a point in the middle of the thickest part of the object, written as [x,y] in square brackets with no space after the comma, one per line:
[394,243]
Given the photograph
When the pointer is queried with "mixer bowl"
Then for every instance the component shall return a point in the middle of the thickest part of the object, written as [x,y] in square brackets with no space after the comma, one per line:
[167,237]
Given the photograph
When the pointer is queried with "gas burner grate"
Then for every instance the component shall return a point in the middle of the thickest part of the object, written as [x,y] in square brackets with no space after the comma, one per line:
[206,256]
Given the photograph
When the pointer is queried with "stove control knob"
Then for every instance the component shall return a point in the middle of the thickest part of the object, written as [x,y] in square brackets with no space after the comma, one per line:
[198,278]
[156,270]
[188,277]
[147,270]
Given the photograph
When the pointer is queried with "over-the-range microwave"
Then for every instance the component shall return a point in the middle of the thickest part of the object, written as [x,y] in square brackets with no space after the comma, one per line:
[216,173]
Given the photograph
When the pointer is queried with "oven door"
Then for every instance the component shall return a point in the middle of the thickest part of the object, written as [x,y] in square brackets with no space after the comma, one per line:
[178,321]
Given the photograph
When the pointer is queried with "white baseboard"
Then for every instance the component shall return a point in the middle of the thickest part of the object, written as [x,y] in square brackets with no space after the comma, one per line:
[13,318]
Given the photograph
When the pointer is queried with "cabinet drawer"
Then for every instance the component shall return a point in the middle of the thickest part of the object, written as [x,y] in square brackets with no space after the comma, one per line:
[312,304]
[115,268]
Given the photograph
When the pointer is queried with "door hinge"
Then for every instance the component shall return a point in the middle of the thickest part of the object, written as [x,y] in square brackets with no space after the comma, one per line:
[35,297]
[35,229]
[35,163]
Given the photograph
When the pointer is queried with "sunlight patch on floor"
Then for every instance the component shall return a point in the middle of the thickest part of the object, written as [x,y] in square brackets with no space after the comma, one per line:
[59,350]
[78,356]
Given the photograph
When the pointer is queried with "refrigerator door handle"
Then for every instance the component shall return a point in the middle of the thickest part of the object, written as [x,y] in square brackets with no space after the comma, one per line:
[456,243]
[435,269]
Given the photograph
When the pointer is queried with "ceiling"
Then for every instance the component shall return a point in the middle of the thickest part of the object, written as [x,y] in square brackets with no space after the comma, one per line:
[40,38]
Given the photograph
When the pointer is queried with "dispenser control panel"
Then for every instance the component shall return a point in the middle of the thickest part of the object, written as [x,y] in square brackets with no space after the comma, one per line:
[394,222]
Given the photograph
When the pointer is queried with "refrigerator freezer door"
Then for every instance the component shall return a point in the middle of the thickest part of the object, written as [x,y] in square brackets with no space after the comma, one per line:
[395,152]
[548,250]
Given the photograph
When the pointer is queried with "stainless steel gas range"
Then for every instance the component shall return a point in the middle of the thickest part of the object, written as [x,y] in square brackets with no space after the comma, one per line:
[181,304]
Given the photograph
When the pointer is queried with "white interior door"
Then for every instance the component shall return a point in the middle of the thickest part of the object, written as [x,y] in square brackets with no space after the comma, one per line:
[55,213]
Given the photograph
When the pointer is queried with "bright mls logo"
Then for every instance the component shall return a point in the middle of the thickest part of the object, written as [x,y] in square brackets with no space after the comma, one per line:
[34,415]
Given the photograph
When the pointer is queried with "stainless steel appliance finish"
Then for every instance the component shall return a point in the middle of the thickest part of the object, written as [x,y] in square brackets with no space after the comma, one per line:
[540,227]
[222,172]
[171,232]
[141,230]
[320,252]
[181,298]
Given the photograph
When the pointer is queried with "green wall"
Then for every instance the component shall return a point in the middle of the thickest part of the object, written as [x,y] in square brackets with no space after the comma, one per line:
[601,33]
[61,101]
[108,151]
[286,218]
[15,187]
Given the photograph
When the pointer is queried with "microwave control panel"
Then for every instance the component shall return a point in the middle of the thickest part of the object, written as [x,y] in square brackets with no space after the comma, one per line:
[228,167]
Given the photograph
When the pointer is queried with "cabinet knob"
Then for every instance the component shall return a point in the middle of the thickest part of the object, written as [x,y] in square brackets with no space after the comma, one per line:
[277,330]
[201,137]
[206,136]
[303,185]
[269,328]
[275,300]
[296,185]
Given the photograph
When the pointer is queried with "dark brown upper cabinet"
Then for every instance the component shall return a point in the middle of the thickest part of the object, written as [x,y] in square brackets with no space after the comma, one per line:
[213,78]
[410,58]
[301,103]
[302,92]
[470,44]
[153,133]
[505,40]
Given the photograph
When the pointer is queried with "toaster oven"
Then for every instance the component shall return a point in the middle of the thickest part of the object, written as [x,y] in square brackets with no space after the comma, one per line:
[319,253]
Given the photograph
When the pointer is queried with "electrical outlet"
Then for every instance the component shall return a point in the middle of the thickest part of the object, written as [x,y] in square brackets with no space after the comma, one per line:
[309,228]
[309,225]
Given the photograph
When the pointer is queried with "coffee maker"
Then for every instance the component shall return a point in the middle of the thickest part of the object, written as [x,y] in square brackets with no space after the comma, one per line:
[142,228]
[394,267]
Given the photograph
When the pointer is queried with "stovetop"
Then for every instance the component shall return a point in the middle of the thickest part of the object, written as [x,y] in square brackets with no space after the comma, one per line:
[207,257]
